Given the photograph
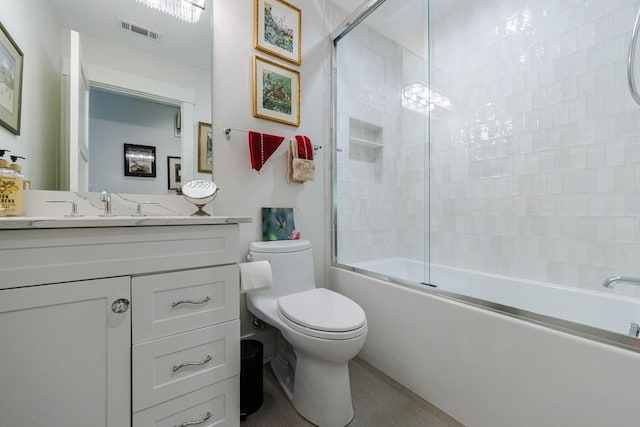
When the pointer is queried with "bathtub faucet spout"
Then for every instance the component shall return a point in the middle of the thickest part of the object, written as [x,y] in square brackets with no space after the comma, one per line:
[610,281]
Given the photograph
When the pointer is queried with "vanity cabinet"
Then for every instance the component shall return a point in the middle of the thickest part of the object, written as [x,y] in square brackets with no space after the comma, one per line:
[72,353]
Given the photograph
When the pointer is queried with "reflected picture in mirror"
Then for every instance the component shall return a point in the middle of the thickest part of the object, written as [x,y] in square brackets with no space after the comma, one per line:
[174,166]
[205,148]
[139,160]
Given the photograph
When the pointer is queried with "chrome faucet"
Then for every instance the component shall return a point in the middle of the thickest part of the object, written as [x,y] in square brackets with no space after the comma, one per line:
[610,281]
[106,198]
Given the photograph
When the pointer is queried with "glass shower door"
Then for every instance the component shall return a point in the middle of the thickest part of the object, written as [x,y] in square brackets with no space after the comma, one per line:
[382,108]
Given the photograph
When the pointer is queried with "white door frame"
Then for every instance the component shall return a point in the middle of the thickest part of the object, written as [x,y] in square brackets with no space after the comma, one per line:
[152,90]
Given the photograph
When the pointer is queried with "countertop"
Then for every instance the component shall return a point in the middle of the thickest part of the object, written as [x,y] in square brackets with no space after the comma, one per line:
[26,222]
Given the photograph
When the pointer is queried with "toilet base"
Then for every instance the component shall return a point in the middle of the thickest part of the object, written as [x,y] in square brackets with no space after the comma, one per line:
[322,392]
[319,390]
[283,366]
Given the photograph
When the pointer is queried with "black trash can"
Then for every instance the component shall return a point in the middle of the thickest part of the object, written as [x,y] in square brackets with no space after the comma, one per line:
[250,377]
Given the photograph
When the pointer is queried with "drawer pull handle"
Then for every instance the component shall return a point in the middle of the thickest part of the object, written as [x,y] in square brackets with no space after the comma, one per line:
[195,423]
[186,301]
[176,368]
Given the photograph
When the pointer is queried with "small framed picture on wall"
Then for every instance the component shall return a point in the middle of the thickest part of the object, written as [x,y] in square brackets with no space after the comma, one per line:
[11,62]
[278,29]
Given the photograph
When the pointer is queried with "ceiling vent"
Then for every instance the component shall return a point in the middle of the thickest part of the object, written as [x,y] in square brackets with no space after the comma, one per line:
[138,30]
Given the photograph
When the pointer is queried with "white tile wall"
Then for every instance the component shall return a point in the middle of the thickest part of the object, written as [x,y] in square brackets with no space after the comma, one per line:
[536,171]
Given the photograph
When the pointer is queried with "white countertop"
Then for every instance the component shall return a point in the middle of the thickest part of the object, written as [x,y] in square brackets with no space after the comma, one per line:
[164,210]
[25,222]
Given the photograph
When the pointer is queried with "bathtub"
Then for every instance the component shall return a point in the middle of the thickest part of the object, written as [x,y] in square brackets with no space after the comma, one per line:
[535,355]
[600,310]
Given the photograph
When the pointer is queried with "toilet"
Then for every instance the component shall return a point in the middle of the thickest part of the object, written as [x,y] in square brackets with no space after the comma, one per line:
[320,331]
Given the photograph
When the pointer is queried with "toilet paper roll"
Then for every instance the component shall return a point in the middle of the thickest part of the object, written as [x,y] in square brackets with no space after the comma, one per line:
[255,275]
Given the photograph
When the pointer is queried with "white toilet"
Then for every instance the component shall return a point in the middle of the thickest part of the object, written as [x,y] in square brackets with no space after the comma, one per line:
[323,331]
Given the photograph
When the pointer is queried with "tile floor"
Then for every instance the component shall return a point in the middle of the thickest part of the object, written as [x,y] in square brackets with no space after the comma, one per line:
[378,400]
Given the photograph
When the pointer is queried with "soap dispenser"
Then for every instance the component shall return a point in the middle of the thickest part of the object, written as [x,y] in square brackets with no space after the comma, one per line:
[11,189]
[14,166]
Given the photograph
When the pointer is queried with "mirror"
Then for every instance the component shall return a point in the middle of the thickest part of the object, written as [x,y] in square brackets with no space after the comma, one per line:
[200,192]
[144,79]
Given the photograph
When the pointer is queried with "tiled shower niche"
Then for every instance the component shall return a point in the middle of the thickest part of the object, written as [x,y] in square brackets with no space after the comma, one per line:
[365,151]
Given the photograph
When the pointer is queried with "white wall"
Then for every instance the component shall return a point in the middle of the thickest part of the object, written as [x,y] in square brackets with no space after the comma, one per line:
[115,120]
[243,191]
[29,24]
[536,171]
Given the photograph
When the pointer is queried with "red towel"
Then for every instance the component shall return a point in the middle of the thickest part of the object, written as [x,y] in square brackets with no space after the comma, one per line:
[305,147]
[261,147]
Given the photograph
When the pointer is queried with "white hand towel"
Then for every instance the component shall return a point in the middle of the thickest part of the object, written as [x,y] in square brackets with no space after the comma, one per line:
[255,275]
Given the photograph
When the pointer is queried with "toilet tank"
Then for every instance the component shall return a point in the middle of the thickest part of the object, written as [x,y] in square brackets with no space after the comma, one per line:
[291,264]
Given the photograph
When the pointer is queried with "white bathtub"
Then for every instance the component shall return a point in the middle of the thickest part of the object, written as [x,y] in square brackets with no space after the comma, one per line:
[596,309]
[485,368]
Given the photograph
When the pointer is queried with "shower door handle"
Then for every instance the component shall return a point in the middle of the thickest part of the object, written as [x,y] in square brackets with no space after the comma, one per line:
[631,61]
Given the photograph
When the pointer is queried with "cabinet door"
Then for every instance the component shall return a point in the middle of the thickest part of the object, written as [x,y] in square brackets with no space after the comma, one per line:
[65,355]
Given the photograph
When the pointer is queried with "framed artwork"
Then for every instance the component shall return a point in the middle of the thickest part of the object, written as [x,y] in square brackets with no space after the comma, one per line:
[139,160]
[205,148]
[278,224]
[278,29]
[276,92]
[174,167]
[11,65]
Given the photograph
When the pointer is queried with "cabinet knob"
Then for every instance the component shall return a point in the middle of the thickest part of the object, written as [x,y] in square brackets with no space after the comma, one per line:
[121,305]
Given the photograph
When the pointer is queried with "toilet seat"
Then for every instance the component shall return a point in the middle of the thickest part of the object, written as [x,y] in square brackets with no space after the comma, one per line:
[323,314]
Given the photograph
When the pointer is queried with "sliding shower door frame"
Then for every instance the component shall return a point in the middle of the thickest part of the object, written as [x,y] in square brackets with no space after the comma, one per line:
[349,24]
[341,31]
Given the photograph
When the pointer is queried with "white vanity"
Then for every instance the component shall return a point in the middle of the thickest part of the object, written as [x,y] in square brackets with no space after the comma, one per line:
[120,321]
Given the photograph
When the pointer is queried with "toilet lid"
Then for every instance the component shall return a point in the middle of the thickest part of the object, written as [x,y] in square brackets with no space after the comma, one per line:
[322,310]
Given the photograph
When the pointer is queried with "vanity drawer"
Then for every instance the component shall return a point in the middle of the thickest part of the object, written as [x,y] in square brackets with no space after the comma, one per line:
[170,303]
[218,402]
[70,254]
[170,367]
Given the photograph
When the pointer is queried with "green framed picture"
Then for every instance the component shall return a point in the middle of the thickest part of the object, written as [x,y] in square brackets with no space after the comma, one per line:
[278,29]
[276,92]
[278,224]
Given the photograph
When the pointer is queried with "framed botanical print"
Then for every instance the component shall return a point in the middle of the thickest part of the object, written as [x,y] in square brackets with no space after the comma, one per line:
[11,64]
[278,29]
[276,92]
